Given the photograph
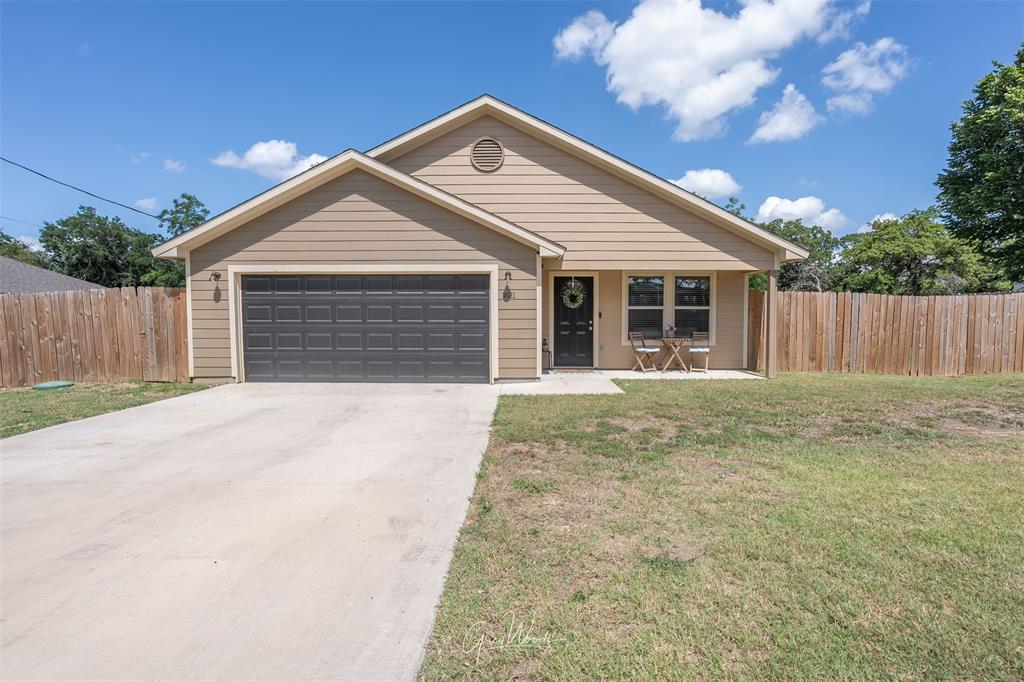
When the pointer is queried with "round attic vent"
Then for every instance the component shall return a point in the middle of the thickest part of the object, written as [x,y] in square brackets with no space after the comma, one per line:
[487,154]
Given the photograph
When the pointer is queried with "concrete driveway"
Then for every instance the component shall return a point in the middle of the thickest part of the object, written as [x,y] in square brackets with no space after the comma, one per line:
[254,531]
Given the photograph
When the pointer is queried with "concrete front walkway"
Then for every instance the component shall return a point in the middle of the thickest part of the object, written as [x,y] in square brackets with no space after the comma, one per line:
[247,532]
[600,381]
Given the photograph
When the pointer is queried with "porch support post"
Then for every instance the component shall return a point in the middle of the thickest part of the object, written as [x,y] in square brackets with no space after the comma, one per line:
[771,365]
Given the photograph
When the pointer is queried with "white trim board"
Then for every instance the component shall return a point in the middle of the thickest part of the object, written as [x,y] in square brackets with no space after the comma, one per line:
[550,281]
[235,273]
[188,316]
[746,317]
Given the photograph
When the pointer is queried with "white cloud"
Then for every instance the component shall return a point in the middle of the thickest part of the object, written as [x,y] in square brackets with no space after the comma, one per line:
[712,183]
[863,71]
[843,21]
[172,166]
[810,210]
[791,118]
[586,34]
[32,243]
[146,203]
[698,63]
[273,159]
[870,225]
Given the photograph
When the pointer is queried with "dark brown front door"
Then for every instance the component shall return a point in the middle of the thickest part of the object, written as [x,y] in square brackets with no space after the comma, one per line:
[574,327]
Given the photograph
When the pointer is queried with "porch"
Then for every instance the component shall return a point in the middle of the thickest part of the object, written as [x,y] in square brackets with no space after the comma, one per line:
[587,316]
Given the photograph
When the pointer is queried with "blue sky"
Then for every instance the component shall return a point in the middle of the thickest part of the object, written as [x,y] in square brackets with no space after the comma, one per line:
[134,100]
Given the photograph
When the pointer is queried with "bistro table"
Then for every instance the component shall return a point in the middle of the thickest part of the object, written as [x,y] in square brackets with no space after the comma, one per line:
[672,345]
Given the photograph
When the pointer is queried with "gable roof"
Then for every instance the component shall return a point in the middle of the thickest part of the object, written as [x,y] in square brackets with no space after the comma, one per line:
[21,278]
[488,105]
[332,168]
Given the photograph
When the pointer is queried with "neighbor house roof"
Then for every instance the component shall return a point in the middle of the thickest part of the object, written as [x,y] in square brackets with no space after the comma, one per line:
[488,105]
[21,278]
[328,170]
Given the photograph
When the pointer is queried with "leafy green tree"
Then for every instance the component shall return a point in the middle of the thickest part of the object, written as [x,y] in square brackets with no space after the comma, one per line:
[815,272]
[104,250]
[735,206]
[18,250]
[914,255]
[186,213]
[982,187]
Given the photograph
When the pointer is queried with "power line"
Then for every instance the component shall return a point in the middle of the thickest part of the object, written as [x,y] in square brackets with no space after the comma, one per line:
[79,189]
[15,220]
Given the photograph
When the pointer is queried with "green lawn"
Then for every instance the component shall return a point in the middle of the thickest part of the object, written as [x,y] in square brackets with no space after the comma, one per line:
[24,409]
[812,526]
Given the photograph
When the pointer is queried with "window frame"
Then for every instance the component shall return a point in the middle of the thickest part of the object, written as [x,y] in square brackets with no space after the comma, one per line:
[668,313]
[708,307]
[628,307]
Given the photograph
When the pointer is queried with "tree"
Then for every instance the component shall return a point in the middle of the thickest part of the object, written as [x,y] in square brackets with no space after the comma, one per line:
[104,250]
[982,187]
[187,212]
[914,255]
[735,206]
[18,250]
[815,272]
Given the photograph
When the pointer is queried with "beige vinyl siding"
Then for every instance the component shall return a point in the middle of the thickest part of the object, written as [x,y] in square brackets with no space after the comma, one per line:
[615,353]
[603,220]
[359,219]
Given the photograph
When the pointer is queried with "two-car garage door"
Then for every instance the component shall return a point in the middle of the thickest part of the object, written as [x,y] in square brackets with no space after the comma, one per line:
[365,327]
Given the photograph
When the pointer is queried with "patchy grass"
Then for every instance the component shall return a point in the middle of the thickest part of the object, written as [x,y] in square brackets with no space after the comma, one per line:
[23,409]
[813,526]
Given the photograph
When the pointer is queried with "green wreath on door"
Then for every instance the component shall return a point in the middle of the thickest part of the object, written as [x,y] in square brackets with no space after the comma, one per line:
[573,294]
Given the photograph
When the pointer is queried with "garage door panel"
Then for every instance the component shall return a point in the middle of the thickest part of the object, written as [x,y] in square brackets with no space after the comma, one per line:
[379,313]
[472,313]
[257,370]
[348,313]
[349,341]
[366,327]
[259,340]
[291,312]
[319,284]
[258,313]
[320,370]
[410,342]
[412,313]
[442,341]
[377,342]
[319,341]
[319,312]
[441,313]
[256,284]
[472,341]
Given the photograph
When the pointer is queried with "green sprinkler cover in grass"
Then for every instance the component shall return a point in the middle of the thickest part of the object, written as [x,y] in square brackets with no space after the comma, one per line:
[46,385]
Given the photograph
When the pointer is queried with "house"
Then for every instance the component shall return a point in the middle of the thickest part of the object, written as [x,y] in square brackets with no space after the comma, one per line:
[454,251]
[21,278]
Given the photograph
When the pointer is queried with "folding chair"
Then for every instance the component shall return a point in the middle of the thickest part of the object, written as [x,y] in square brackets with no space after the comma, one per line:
[701,348]
[643,356]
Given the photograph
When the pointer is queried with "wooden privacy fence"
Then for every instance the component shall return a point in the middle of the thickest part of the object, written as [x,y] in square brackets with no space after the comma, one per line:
[93,335]
[911,335]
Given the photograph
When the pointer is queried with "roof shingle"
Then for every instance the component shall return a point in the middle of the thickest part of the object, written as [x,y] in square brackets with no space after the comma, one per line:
[21,278]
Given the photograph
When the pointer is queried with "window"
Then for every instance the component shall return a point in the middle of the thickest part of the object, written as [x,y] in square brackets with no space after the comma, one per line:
[646,304]
[653,302]
[692,305]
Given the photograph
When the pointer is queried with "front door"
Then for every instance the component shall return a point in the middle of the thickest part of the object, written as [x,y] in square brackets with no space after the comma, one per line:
[574,322]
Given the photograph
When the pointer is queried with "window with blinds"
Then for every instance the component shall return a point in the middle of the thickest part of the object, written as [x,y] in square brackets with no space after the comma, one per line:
[645,305]
[692,305]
